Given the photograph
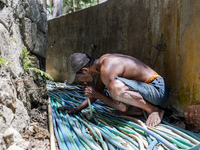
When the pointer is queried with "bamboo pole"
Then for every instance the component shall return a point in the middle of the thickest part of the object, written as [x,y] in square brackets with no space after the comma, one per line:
[52,138]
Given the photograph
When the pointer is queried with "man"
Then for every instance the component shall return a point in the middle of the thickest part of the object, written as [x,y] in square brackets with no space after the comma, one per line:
[133,86]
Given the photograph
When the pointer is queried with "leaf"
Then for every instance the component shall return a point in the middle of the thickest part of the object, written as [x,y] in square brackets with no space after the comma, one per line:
[27,63]
[2,61]
[14,40]
[42,73]
[86,1]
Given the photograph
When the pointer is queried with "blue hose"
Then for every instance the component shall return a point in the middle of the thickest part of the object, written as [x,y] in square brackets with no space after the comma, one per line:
[62,130]
[151,146]
[60,140]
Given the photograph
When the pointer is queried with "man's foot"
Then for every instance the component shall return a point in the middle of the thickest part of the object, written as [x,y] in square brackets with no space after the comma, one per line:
[131,111]
[155,118]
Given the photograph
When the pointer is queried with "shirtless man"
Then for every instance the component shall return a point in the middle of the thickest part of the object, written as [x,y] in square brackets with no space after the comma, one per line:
[133,86]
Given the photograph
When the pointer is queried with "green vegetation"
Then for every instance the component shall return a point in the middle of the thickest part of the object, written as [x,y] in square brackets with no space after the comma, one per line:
[2,61]
[27,63]
[14,40]
[26,59]
[46,75]
[69,6]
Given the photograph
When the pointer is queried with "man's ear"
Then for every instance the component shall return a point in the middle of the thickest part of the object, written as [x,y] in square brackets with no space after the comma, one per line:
[85,69]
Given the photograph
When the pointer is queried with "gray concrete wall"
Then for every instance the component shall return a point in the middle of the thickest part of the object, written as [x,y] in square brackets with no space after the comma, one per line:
[126,27]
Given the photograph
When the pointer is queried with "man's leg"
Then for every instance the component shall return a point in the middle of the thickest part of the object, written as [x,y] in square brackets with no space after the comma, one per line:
[131,110]
[121,92]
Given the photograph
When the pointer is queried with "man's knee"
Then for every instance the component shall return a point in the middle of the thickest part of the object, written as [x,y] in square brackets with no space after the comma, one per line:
[124,108]
[115,88]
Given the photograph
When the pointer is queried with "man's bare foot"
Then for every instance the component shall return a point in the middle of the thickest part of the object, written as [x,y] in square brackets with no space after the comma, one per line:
[155,118]
[131,111]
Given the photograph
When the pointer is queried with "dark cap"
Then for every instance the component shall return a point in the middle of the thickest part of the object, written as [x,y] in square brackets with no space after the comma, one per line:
[78,61]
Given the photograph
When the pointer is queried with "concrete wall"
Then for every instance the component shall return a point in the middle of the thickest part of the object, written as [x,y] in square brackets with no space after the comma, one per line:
[119,26]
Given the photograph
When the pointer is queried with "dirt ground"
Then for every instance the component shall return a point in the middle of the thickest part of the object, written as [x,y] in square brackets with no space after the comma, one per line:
[37,133]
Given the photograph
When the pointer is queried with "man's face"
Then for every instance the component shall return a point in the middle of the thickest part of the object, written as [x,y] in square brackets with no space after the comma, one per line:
[85,76]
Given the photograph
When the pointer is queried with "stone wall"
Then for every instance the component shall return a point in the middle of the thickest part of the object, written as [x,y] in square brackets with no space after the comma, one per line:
[131,27]
[22,22]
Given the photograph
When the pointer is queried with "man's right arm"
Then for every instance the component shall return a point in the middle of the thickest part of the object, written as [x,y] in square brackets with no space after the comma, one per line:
[98,89]
[76,110]
[91,93]
[85,104]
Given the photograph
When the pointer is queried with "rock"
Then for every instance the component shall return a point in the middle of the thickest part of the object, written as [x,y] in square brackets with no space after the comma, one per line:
[39,47]
[22,22]
[192,118]
[13,139]
[44,107]
[40,136]
[29,26]
[32,11]
[7,93]
[31,128]
[22,118]
[42,26]
[38,116]
[1,146]
[14,147]
[36,13]
[8,116]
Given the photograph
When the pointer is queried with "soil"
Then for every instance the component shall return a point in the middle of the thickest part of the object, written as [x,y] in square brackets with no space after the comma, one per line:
[37,133]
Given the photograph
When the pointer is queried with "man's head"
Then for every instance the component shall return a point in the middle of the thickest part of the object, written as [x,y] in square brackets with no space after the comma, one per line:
[79,61]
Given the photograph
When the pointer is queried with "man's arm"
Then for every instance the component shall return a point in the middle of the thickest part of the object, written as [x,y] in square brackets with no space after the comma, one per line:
[98,89]
[92,93]
[110,101]
[97,94]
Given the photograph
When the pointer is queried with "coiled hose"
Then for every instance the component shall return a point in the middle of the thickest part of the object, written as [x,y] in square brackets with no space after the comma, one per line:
[106,130]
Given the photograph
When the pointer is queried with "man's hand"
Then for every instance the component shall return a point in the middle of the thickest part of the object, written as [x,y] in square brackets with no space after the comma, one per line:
[70,110]
[90,92]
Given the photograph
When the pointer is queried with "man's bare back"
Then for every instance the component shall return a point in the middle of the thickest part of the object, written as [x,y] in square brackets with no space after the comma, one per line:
[128,67]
